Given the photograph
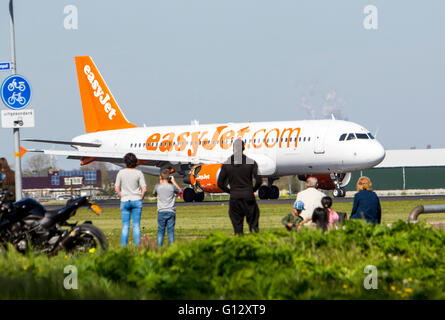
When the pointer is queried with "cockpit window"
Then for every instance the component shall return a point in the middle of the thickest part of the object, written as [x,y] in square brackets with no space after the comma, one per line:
[351,136]
[362,136]
[370,135]
[342,137]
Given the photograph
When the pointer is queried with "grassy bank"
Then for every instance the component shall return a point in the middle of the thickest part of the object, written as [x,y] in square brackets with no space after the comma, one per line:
[270,265]
[207,262]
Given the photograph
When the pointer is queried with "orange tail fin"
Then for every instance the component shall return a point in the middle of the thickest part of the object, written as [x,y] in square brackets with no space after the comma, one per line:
[100,110]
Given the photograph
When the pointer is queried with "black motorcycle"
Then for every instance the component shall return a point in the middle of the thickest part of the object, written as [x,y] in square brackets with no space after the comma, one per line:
[26,224]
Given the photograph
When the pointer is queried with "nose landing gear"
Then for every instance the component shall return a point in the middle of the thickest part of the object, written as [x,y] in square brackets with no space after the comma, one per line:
[339,192]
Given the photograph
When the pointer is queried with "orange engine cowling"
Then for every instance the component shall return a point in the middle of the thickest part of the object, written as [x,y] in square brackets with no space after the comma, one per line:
[204,177]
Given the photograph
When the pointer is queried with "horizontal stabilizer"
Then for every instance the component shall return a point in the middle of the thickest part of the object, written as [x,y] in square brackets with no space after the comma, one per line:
[69,143]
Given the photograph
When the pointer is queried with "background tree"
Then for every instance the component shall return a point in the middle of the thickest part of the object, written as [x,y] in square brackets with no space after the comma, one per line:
[39,164]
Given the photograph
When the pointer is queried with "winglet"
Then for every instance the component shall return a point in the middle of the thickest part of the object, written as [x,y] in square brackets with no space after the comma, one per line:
[100,110]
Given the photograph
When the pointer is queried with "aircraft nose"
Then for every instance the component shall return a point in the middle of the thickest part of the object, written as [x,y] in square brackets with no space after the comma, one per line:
[378,153]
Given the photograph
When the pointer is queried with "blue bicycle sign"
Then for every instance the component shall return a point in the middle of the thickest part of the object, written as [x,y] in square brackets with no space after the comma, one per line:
[15,92]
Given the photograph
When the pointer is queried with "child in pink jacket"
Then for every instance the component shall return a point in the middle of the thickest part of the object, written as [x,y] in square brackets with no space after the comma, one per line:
[332,215]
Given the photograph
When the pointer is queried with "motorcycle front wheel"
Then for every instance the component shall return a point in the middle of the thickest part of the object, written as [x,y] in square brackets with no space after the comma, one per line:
[90,240]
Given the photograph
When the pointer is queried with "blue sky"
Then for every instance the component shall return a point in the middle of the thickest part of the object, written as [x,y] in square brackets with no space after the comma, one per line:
[169,62]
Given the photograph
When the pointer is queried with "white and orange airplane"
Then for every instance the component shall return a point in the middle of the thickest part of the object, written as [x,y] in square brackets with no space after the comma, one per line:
[328,149]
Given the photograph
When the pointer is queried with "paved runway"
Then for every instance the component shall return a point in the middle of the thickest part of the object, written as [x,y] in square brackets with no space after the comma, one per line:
[115,203]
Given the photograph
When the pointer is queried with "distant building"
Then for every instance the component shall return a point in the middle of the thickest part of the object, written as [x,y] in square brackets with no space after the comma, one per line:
[418,170]
[58,183]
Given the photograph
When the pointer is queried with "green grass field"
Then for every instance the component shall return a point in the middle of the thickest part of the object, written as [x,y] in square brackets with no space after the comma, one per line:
[199,221]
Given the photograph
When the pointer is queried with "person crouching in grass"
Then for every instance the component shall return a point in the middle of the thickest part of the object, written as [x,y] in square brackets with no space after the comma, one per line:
[166,191]
[292,220]
[320,217]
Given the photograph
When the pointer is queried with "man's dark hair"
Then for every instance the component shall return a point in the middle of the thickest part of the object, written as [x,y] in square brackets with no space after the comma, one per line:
[130,160]
[326,202]
[320,218]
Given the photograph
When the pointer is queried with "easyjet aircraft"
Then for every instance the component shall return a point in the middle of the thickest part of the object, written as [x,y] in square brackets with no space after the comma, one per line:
[327,149]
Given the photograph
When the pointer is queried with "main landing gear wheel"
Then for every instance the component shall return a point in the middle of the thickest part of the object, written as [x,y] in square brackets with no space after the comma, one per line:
[199,196]
[190,195]
[265,192]
[274,192]
[339,193]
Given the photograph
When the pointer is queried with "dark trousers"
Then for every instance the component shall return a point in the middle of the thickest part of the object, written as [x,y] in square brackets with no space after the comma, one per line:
[240,208]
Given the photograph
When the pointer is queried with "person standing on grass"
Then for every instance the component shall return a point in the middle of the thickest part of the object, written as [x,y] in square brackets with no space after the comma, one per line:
[238,172]
[130,186]
[166,191]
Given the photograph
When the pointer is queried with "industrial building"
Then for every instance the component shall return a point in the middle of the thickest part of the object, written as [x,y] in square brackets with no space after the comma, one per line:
[56,184]
[412,171]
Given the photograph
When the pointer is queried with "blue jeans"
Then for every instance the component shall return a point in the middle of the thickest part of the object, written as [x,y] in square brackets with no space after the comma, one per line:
[131,209]
[167,220]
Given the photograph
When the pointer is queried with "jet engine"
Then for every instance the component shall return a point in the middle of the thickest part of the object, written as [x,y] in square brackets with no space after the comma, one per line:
[204,177]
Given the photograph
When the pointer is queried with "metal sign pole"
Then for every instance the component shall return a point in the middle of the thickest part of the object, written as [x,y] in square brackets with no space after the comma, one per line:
[16,131]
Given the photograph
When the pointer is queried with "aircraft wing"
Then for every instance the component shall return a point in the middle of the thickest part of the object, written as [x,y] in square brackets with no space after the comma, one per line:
[117,157]
[266,166]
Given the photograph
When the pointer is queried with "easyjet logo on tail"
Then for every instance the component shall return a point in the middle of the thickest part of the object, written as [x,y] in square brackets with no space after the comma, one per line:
[98,103]
[99,93]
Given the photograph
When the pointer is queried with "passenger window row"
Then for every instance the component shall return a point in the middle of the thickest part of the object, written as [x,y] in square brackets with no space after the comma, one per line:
[155,144]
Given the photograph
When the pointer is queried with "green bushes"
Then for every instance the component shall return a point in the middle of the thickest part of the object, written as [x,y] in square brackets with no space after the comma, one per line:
[272,265]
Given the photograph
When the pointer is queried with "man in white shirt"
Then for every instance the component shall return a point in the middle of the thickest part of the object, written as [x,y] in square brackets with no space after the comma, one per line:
[311,198]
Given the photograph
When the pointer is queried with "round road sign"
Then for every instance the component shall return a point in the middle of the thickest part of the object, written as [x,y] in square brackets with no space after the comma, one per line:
[15,92]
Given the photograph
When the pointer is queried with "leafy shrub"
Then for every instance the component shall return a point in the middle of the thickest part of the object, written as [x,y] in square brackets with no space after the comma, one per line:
[273,265]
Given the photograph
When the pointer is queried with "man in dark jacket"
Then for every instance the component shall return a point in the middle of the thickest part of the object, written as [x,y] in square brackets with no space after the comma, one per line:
[238,172]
